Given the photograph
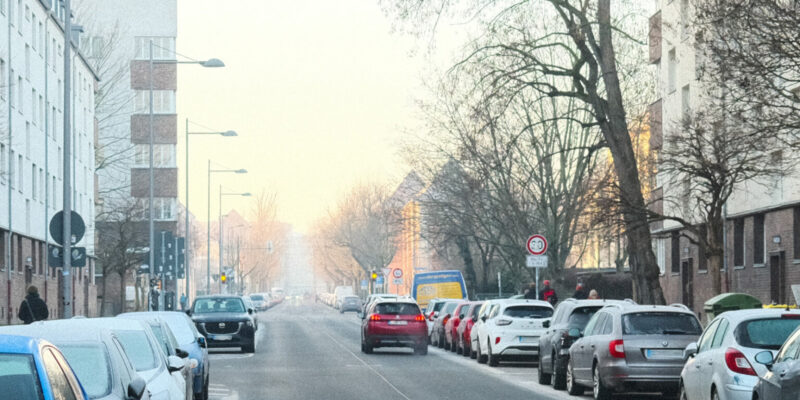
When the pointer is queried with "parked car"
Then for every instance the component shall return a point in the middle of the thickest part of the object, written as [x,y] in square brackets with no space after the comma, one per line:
[431,313]
[782,381]
[437,333]
[350,303]
[394,323]
[248,304]
[629,347]
[96,356]
[721,365]
[465,327]
[512,329]
[374,297]
[260,301]
[554,344]
[451,326]
[30,367]
[189,339]
[224,321]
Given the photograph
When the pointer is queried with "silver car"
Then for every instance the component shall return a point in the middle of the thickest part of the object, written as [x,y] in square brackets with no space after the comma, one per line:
[783,379]
[721,365]
[628,347]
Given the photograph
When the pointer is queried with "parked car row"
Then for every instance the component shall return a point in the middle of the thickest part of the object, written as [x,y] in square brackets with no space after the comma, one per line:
[264,301]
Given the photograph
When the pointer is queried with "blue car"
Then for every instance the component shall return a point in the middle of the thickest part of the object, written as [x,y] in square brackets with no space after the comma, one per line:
[33,369]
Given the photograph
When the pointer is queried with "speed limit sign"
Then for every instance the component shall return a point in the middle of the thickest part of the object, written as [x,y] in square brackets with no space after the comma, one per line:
[537,245]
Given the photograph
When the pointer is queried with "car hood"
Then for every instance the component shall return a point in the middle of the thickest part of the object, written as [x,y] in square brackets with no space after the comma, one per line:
[221,317]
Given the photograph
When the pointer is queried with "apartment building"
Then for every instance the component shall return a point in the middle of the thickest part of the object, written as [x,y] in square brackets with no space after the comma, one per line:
[31,153]
[763,218]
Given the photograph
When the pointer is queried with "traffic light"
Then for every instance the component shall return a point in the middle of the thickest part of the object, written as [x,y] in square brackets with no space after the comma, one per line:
[223,278]
[374,276]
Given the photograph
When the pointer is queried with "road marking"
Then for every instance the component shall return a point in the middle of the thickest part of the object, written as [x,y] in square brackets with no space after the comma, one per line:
[365,364]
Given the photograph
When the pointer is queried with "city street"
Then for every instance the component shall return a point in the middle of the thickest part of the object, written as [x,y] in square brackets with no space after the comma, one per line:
[310,351]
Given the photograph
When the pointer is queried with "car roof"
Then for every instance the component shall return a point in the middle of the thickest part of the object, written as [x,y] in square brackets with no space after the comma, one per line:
[627,308]
[61,330]
[517,302]
[17,344]
[408,300]
[219,296]
[737,316]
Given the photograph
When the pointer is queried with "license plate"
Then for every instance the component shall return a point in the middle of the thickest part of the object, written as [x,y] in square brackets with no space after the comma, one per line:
[398,322]
[221,337]
[528,339]
[663,353]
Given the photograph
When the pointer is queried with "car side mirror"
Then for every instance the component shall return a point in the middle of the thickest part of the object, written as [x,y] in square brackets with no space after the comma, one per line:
[461,316]
[474,319]
[691,350]
[189,312]
[435,314]
[175,363]
[574,333]
[250,311]
[765,357]
[202,342]
[136,388]
[546,323]
[181,353]
[483,318]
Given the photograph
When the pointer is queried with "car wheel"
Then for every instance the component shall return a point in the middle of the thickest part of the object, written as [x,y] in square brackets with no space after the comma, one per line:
[421,350]
[682,391]
[367,348]
[572,387]
[466,352]
[439,341]
[454,347]
[544,378]
[559,373]
[446,344]
[715,395]
[494,360]
[459,347]
[250,348]
[480,357]
[599,390]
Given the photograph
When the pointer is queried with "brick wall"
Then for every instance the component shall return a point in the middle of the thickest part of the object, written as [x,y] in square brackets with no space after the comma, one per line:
[165,76]
[166,182]
[164,128]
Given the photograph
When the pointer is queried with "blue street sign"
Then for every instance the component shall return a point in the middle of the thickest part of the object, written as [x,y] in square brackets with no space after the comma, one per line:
[364,284]
[379,281]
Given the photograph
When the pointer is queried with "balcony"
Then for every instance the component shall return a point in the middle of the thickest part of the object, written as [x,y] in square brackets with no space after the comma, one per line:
[654,38]
[656,126]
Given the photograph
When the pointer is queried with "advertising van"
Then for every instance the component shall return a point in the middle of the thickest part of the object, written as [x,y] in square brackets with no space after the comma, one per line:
[439,284]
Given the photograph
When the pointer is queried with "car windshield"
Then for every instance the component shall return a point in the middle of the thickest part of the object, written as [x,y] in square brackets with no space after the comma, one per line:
[18,379]
[448,308]
[660,323]
[351,299]
[528,311]
[767,333]
[476,309]
[580,317]
[138,349]
[181,328]
[437,306]
[397,309]
[215,305]
[90,363]
[256,297]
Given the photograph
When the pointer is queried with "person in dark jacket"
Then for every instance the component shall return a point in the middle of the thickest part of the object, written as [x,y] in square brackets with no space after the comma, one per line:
[33,308]
[580,292]
[548,294]
[530,292]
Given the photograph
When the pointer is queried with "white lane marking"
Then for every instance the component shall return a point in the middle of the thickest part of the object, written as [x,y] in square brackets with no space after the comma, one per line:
[365,364]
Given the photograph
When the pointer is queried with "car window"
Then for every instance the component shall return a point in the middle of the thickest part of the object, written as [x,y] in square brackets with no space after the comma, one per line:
[437,306]
[660,323]
[592,322]
[597,328]
[766,333]
[162,340]
[138,349]
[790,349]
[59,383]
[448,309]
[708,337]
[18,377]
[182,329]
[528,311]
[396,309]
[719,337]
[256,297]
[90,362]
[121,351]
[214,305]
[580,317]
[558,312]
[608,325]
[495,311]
[476,309]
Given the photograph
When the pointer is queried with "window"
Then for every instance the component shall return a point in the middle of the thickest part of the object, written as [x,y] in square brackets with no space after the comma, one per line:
[738,242]
[34,192]
[21,172]
[758,239]
[34,38]
[11,178]
[163,155]
[42,111]
[18,376]
[42,185]
[164,208]
[722,330]
[27,62]
[790,351]
[59,382]
[163,48]
[660,245]
[795,232]
[34,107]
[528,312]
[672,70]
[684,19]
[163,102]
[675,253]
[592,323]
[766,333]
[660,323]
[708,337]
[3,7]
[19,94]
[2,78]
[686,105]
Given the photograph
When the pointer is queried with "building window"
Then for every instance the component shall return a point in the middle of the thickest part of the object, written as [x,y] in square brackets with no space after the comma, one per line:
[27,62]
[34,107]
[34,39]
[4,163]
[164,208]
[163,155]
[659,246]
[686,105]
[672,70]
[684,19]
[758,239]
[19,94]
[738,242]
[2,78]
[42,112]
[21,173]
[34,191]
[42,185]
[796,233]
[163,102]
[163,48]
[11,177]
[676,253]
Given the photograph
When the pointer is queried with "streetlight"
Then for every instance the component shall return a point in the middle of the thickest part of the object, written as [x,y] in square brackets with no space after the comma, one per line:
[211,63]
[221,193]
[186,234]
[208,218]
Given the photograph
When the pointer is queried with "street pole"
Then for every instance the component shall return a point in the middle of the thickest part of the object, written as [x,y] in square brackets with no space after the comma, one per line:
[537,283]
[47,123]
[67,232]
[151,213]
[186,232]
[9,248]
[499,285]
[220,238]
[208,234]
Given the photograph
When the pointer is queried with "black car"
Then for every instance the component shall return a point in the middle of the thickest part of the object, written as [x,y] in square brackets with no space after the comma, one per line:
[225,321]
[554,344]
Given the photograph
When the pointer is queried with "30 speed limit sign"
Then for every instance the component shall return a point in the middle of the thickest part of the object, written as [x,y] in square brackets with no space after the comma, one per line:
[537,245]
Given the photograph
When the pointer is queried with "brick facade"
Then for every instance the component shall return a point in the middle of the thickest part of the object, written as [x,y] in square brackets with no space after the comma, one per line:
[165,76]
[164,129]
[166,182]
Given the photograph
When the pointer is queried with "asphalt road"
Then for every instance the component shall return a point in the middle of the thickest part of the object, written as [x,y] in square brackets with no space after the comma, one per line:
[309,351]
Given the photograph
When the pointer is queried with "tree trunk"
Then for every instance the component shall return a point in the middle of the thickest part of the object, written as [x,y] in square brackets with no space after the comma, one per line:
[122,291]
[469,264]
[715,253]
[104,293]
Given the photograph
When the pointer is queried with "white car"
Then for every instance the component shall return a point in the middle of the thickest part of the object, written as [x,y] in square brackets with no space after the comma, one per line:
[721,365]
[509,328]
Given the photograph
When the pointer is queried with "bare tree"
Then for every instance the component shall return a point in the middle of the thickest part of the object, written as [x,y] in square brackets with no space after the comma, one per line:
[265,242]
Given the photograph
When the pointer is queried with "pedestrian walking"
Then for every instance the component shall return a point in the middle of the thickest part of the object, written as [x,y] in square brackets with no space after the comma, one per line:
[530,292]
[548,294]
[184,301]
[580,292]
[33,308]
[593,295]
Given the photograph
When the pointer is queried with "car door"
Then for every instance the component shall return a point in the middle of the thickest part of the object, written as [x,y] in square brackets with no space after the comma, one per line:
[546,341]
[698,366]
[490,325]
[786,370]
[476,328]
[581,352]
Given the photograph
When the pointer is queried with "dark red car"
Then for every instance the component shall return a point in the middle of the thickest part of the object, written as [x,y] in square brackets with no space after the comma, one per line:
[394,323]
[451,326]
[464,330]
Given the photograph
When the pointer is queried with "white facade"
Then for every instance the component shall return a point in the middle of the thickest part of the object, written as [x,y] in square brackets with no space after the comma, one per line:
[33,82]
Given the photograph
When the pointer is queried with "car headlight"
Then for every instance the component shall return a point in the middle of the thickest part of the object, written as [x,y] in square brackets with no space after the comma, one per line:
[249,323]
[193,363]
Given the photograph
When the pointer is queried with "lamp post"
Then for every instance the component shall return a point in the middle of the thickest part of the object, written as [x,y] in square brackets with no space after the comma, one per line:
[186,233]
[208,218]
[221,193]
[211,63]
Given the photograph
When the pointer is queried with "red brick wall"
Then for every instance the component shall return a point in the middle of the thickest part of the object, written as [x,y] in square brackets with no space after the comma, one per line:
[165,76]
[166,182]
[165,127]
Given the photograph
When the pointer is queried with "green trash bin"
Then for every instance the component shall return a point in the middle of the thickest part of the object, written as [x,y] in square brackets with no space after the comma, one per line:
[728,302]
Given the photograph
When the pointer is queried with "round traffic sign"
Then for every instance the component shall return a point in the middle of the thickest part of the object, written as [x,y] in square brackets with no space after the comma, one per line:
[77,227]
[397,273]
[537,245]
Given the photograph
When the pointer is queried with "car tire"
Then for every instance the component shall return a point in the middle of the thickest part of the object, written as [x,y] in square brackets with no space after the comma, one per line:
[492,359]
[466,352]
[573,388]
[341,311]
[544,378]
[421,350]
[473,354]
[682,391]
[599,390]
[439,341]
[367,349]
[480,357]
[250,348]
[559,373]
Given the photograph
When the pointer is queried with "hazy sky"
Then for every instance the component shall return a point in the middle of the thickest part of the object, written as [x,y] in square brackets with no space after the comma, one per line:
[319,91]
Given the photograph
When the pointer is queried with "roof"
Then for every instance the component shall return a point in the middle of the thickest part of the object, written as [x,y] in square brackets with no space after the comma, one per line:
[633,307]
[753,313]
[62,330]
[516,302]
[219,296]
[16,344]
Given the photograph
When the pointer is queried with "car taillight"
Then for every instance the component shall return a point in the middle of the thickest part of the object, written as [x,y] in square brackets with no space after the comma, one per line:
[616,348]
[444,321]
[737,362]
[456,322]
[374,317]
[419,318]
[497,340]
[503,322]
